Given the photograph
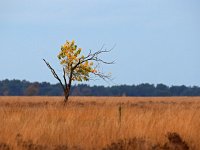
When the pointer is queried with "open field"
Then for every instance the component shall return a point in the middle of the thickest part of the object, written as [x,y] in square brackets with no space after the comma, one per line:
[96,122]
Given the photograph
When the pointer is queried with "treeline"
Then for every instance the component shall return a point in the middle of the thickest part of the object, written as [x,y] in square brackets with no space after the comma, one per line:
[26,88]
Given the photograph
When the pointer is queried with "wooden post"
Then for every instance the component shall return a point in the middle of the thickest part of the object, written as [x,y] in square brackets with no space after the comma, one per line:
[120,113]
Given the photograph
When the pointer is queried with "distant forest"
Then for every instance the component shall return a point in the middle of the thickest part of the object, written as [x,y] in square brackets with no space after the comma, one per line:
[26,88]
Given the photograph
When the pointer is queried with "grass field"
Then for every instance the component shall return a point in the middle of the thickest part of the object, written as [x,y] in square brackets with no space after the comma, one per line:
[98,122]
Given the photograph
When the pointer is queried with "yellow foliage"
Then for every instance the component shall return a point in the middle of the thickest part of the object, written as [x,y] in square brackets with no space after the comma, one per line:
[69,57]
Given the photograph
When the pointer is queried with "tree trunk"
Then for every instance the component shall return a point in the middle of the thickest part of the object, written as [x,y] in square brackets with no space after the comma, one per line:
[67,88]
[66,93]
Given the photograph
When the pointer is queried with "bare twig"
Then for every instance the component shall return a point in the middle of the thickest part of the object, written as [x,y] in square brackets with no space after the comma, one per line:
[54,73]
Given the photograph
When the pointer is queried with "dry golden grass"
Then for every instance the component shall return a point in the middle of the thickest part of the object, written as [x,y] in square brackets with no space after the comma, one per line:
[94,122]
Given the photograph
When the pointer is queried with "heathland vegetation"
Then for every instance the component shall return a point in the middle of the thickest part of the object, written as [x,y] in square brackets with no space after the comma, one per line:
[25,88]
[99,123]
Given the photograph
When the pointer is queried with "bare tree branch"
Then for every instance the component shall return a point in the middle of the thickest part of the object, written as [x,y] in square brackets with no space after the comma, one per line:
[95,57]
[54,73]
[64,77]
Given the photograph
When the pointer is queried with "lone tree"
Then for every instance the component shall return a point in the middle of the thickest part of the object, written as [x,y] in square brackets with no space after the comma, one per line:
[77,67]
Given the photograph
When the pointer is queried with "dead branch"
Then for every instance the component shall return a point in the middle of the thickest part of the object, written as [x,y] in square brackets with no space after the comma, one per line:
[54,73]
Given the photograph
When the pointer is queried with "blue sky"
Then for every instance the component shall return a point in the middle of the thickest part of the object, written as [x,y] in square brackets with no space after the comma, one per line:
[157,41]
